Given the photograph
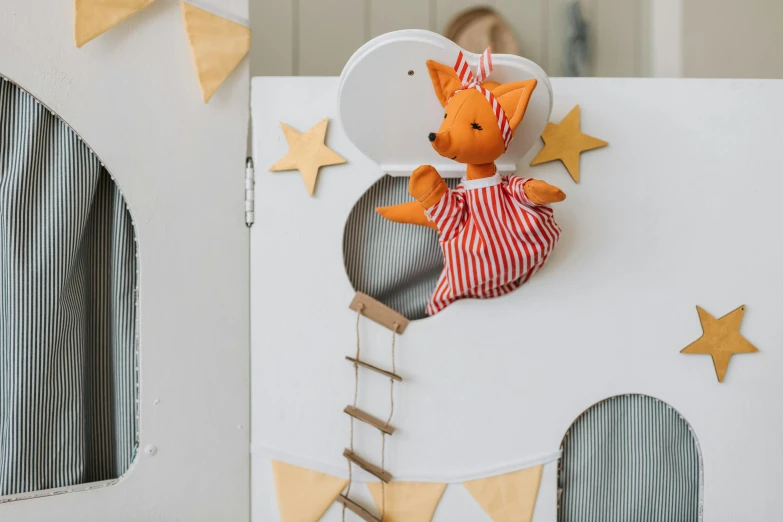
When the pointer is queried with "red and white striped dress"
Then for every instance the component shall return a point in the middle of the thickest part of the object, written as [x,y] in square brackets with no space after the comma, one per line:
[493,239]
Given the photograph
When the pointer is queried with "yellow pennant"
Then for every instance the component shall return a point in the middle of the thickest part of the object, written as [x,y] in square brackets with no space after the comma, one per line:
[407,501]
[510,497]
[92,18]
[304,495]
[216,44]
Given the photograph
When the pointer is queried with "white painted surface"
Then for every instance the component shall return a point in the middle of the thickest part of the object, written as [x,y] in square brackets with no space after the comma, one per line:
[328,35]
[313,37]
[387,112]
[527,18]
[384,16]
[730,39]
[666,36]
[132,95]
[614,35]
[679,210]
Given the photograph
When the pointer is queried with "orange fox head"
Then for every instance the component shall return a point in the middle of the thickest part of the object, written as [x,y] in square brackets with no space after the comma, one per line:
[470,132]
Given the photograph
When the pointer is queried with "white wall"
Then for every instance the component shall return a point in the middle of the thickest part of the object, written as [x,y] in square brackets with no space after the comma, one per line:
[731,38]
[132,95]
[716,38]
[666,38]
[316,37]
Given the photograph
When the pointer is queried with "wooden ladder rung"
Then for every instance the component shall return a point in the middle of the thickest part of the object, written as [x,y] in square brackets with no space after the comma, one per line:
[357,509]
[366,466]
[379,312]
[363,416]
[375,369]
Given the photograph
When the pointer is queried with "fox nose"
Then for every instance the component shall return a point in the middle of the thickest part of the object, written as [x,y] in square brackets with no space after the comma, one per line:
[432,136]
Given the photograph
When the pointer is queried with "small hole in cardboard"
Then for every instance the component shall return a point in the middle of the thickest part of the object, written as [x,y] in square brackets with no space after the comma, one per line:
[411,73]
[396,264]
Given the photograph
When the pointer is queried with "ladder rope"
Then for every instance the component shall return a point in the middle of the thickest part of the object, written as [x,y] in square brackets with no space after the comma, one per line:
[391,414]
[355,398]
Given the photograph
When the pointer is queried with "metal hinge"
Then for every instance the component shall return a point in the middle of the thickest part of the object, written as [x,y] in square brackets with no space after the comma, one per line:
[250,193]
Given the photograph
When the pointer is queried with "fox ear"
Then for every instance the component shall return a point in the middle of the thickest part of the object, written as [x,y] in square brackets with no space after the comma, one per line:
[444,80]
[513,98]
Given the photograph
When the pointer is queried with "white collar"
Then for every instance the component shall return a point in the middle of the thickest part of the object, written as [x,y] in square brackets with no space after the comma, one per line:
[470,184]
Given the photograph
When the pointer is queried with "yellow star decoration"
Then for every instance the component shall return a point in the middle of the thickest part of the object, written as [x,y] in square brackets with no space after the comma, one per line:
[307,153]
[721,339]
[564,141]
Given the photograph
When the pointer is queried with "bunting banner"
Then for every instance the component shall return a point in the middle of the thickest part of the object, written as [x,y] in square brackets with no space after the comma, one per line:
[92,18]
[302,494]
[218,40]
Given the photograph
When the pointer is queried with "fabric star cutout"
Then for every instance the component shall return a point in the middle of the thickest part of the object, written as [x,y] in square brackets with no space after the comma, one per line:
[565,141]
[721,339]
[307,153]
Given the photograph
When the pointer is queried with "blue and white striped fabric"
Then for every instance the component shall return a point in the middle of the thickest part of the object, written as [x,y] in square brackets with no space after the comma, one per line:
[631,458]
[395,263]
[68,411]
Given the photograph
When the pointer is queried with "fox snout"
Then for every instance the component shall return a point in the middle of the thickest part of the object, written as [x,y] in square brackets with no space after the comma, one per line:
[441,142]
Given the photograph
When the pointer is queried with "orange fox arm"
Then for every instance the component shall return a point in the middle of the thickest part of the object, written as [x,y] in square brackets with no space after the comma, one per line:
[541,192]
[412,213]
[428,188]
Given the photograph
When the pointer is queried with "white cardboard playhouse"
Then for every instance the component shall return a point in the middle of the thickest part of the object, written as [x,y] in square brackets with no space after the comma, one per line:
[679,211]
[676,213]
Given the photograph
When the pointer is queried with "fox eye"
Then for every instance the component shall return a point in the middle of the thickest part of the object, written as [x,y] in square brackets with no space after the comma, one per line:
[445,115]
[476,126]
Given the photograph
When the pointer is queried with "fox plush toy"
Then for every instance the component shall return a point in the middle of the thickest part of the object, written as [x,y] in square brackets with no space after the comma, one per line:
[495,232]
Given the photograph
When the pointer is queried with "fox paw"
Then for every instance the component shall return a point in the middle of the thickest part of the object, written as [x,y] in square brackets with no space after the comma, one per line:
[541,192]
[426,186]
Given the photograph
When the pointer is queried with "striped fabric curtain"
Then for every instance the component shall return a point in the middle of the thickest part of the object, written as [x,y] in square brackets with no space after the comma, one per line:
[631,458]
[397,264]
[68,412]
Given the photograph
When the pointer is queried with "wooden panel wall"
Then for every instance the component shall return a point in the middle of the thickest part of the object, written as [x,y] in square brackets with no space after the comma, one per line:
[316,37]
[727,39]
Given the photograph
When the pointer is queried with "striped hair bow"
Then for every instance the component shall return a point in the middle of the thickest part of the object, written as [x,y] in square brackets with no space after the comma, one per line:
[474,81]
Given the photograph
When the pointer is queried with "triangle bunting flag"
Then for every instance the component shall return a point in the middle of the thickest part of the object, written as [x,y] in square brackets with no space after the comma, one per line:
[407,501]
[510,497]
[92,18]
[304,495]
[217,45]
